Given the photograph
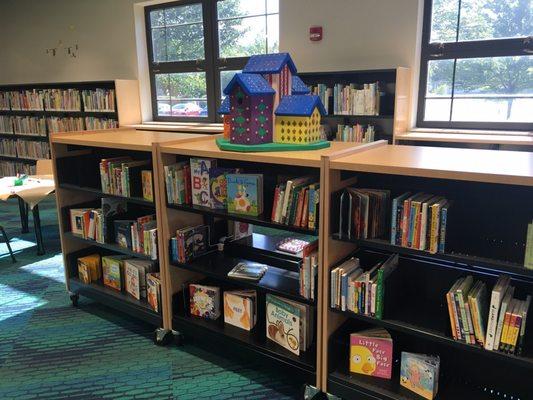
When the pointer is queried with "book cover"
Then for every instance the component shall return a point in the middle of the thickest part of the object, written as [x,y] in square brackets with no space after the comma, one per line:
[245,194]
[89,268]
[153,290]
[113,271]
[201,193]
[283,323]
[240,308]
[135,277]
[218,183]
[241,230]
[204,301]
[420,374]
[123,236]
[371,353]
[111,207]
[148,186]
[248,270]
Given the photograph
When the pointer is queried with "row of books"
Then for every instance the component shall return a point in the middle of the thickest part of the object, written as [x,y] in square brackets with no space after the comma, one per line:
[92,223]
[189,243]
[64,124]
[8,147]
[32,149]
[139,234]
[499,325]
[26,100]
[296,202]
[419,221]
[62,100]
[356,133]
[288,323]
[324,92]
[138,278]
[123,176]
[94,123]
[98,100]
[9,168]
[29,126]
[4,101]
[178,183]
[371,354]
[355,99]
[6,124]
[359,290]
[364,213]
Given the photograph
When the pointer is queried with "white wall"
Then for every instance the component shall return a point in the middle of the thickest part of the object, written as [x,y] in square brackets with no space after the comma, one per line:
[103,29]
[357,34]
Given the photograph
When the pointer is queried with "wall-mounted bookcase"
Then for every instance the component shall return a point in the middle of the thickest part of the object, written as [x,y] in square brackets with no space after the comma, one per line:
[76,157]
[394,87]
[30,112]
[485,237]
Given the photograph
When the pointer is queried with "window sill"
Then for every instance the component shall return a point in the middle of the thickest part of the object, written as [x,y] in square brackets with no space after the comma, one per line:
[468,136]
[186,127]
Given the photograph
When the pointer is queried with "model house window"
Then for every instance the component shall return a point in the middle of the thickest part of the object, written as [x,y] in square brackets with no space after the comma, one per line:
[195,47]
[477,65]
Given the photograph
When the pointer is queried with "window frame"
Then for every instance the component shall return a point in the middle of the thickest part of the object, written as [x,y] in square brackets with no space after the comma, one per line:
[212,64]
[462,50]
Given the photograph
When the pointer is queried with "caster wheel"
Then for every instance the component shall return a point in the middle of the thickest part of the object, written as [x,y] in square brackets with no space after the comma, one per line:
[74,299]
[179,338]
[162,337]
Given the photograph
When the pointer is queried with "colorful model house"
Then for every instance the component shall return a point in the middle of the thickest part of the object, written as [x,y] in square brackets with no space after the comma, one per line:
[277,69]
[251,109]
[298,119]
[298,86]
[224,110]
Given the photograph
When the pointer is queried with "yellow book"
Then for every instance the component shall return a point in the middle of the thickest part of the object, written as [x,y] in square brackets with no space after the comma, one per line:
[506,321]
[89,268]
[434,228]
[516,322]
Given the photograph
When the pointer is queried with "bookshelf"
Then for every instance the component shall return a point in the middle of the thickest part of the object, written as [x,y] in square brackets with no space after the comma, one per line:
[395,84]
[282,276]
[28,124]
[75,157]
[481,183]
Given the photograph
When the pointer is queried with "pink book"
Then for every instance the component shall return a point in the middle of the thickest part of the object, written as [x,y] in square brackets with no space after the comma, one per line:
[371,353]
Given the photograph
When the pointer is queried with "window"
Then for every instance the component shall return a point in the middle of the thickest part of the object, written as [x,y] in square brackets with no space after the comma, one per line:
[476,68]
[195,47]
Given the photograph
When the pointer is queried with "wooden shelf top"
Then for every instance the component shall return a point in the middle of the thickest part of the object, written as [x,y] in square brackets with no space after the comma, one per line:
[467,138]
[209,148]
[121,138]
[190,127]
[491,166]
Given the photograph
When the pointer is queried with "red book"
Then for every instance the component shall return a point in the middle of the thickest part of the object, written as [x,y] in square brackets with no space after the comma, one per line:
[305,212]
[405,221]
[299,207]
[275,204]
[187,182]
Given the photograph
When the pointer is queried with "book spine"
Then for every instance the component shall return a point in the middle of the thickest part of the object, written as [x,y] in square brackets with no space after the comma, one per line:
[405,221]
[515,332]
[275,204]
[449,300]
[499,326]
[393,221]
[492,319]
[379,294]
[461,317]
[442,235]
[470,324]
[434,228]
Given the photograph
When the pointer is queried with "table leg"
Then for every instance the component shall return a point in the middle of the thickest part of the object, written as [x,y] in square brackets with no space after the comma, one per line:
[23,208]
[38,232]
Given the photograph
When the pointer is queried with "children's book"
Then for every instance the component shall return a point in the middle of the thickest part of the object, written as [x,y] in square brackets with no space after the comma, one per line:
[148,186]
[240,308]
[240,229]
[371,353]
[201,193]
[153,290]
[283,323]
[89,268]
[248,270]
[135,276]
[204,301]
[420,374]
[245,194]
[113,271]
[123,233]
[218,189]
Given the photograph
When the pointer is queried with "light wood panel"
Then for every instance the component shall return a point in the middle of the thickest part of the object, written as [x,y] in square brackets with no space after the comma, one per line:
[473,138]
[209,148]
[120,138]
[191,127]
[491,166]
[128,101]
[402,102]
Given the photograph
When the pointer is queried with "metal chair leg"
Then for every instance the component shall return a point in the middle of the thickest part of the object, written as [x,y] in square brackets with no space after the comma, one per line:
[8,244]
[38,231]
[23,208]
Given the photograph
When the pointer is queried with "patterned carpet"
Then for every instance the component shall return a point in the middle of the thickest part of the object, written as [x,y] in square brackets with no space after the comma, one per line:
[51,350]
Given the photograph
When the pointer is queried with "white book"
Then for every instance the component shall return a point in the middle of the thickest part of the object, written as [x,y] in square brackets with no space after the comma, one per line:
[503,309]
[495,301]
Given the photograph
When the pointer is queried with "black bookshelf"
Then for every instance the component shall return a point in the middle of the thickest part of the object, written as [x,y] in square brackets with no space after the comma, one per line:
[98,192]
[81,113]
[383,122]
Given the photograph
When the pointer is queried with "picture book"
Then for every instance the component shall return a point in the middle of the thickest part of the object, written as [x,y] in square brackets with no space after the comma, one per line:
[153,290]
[204,301]
[113,271]
[77,222]
[89,268]
[240,229]
[283,323]
[135,271]
[371,353]
[420,374]
[147,184]
[248,270]
[111,207]
[245,194]
[201,193]
[240,308]
[218,187]
[123,235]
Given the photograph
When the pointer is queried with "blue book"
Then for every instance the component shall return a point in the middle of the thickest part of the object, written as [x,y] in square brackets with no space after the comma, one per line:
[443,221]
[397,206]
[245,194]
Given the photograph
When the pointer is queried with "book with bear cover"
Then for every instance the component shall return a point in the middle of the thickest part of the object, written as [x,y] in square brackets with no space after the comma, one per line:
[240,308]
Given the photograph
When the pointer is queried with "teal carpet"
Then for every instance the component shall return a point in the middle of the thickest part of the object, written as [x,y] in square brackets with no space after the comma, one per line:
[51,350]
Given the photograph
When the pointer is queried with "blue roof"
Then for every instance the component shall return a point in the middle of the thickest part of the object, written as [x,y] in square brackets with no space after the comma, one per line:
[269,64]
[300,105]
[224,106]
[252,84]
[298,86]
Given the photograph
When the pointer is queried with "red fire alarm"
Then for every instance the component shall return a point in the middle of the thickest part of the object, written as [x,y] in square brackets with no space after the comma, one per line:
[315,33]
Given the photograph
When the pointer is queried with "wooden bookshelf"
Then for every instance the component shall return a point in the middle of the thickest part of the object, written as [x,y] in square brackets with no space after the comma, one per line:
[481,183]
[395,84]
[126,111]
[75,158]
